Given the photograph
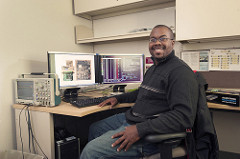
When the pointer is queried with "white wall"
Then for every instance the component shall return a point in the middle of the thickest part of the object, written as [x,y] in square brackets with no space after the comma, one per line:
[28,29]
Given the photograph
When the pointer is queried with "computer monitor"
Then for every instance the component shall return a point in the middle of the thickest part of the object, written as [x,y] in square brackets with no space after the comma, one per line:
[74,69]
[122,68]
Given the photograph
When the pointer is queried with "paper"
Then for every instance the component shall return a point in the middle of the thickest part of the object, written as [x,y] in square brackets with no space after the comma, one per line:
[224,59]
[196,60]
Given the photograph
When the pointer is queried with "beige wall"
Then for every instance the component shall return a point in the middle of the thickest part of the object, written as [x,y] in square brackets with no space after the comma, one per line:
[28,29]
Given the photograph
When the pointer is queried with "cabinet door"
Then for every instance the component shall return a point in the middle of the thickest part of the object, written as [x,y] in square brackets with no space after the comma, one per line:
[83,6]
[201,19]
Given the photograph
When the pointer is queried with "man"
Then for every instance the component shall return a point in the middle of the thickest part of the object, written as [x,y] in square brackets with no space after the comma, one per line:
[165,102]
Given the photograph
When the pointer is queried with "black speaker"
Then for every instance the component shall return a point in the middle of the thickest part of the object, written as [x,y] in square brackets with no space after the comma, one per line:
[68,148]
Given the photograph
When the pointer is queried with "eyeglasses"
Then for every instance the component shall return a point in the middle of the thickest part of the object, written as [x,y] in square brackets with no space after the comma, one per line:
[154,40]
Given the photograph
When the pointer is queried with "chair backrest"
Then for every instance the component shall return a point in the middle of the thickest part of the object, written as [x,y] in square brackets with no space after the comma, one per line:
[202,142]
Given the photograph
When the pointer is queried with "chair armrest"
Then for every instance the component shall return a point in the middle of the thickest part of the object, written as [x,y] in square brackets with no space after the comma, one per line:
[166,142]
[158,138]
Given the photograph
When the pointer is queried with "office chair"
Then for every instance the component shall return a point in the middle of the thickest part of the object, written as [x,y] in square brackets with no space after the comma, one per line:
[165,143]
[204,137]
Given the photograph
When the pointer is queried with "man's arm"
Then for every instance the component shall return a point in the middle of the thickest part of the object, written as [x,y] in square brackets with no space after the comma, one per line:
[123,98]
[129,97]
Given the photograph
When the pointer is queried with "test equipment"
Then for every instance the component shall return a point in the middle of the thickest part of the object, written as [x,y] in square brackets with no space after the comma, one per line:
[38,91]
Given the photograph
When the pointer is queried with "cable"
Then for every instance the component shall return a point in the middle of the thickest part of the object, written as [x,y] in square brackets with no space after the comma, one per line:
[32,134]
[29,139]
[20,131]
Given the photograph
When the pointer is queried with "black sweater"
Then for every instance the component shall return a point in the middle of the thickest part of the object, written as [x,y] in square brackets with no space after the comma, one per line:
[166,101]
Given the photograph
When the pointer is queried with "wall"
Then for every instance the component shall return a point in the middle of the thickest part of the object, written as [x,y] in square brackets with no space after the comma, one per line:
[218,79]
[28,30]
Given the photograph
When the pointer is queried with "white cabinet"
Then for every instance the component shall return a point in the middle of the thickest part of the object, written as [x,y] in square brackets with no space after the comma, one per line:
[134,26]
[94,9]
[207,20]
[83,6]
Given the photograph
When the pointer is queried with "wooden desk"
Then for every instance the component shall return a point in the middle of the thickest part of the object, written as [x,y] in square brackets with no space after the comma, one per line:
[67,109]
[43,124]
[214,106]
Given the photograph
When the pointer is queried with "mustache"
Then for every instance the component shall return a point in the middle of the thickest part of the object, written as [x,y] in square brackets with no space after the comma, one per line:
[158,47]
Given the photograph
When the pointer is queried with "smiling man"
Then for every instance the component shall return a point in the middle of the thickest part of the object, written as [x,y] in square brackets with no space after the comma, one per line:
[165,102]
[161,42]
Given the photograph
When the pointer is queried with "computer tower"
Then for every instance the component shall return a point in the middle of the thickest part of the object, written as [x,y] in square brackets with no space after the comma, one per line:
[68,148]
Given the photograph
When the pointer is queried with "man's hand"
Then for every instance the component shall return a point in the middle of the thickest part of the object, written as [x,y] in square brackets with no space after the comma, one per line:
[112,101]
[127,138]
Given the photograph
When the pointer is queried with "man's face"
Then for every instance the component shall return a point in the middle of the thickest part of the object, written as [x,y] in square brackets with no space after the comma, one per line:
[163,48]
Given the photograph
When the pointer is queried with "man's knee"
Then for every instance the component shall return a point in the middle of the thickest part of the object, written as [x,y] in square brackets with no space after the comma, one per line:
[88,150]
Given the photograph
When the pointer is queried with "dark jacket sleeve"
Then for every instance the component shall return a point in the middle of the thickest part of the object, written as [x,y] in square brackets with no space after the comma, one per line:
[182,95]
[127,97]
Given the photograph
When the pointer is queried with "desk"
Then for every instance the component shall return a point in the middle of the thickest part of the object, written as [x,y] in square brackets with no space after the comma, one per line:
[67,109]
[214,106]
[43,126]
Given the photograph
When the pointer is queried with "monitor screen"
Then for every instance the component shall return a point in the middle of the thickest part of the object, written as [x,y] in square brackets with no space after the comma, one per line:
[73,69]
[122,68]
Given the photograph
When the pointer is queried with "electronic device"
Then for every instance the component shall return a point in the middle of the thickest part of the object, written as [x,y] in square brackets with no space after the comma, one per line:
[68,148]
[122,68]
[87,102]
[37,91]
[77,70]
[224,96]
[74,69]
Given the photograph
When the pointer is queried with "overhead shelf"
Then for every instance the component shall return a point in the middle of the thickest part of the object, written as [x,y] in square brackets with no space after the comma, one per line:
[135,35]
[212,39]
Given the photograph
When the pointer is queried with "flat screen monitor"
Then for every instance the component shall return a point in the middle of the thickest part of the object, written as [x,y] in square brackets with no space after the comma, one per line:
[73,69]
[122,68]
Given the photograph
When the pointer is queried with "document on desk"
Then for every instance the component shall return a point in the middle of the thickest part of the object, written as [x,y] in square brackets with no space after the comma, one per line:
[224,60]
[197,59]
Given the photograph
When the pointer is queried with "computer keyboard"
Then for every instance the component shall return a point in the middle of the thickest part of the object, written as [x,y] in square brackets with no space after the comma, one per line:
[87,102]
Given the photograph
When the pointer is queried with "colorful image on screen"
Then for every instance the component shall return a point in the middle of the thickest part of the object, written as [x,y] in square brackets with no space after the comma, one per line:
[122,68]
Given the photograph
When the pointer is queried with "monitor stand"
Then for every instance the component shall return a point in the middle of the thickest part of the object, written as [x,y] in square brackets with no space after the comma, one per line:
[119,88]
[71,93]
